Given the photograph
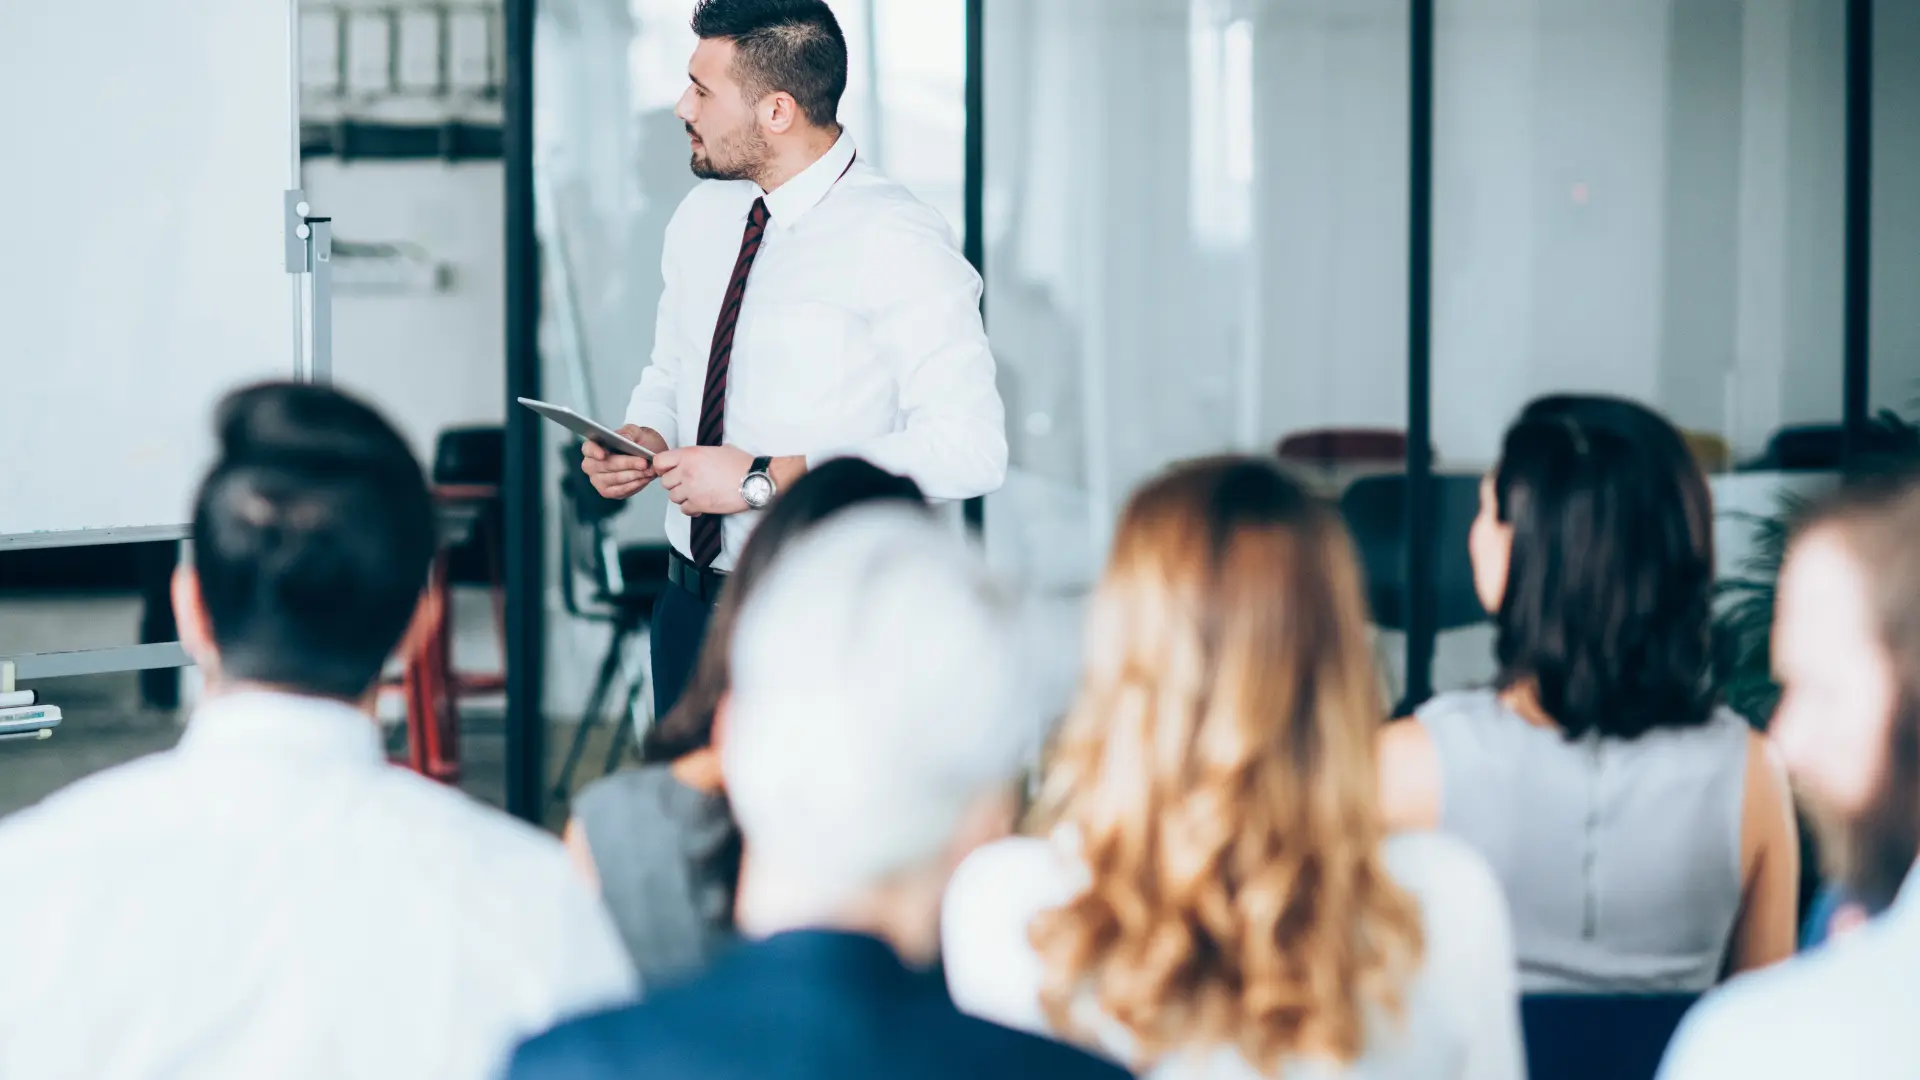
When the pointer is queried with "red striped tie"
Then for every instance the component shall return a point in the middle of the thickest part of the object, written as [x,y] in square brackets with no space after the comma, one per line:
[713,403]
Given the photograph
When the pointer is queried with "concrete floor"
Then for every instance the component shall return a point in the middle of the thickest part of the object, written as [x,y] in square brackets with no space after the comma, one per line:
[106,724]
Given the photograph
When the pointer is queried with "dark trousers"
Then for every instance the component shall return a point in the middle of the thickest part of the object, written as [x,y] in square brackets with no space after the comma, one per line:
[679,629]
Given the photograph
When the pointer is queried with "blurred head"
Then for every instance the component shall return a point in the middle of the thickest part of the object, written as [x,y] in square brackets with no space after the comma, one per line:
[1594,553]
[312,537]
[765,74]
[818,495]
[1218,773]
[1846,652]
[877,721]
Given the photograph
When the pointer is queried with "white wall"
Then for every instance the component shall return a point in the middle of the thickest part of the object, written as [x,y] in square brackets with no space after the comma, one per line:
[1640,198]
[429,359]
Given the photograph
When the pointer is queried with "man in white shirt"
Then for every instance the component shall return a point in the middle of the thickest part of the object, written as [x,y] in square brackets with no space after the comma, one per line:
[272,898]
[1846,652]
[812,309]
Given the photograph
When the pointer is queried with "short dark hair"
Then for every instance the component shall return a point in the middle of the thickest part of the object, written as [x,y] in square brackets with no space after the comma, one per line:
[791,45]
[837,485]
[1608,597]
[312,537]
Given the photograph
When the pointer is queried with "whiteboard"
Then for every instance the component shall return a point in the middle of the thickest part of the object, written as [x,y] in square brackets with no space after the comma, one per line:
[145,146]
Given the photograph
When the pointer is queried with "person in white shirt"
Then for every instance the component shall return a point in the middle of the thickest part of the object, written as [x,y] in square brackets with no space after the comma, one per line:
[271,898]
[1215,896]
[1846,652]
[812,309]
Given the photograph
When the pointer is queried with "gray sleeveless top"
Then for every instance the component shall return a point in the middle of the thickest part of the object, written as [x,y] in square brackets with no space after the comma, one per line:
[1620,859]
[654,842]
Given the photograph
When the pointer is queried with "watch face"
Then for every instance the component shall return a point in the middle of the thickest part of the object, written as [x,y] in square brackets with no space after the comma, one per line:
[758,490]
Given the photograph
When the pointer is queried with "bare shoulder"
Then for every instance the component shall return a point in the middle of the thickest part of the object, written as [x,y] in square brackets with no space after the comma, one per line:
[1766,808]
[1409,776]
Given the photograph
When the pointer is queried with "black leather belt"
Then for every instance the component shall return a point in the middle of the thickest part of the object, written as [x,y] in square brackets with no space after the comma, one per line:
[703,582]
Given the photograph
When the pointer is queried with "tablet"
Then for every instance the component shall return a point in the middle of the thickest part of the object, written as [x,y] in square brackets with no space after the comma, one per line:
[609,439]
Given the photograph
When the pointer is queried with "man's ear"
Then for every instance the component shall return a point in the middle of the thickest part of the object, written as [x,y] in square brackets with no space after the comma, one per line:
[779,112]
[190,618]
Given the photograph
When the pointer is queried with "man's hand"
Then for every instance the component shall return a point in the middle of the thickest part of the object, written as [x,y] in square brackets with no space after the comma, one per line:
[705,479]
[616,476]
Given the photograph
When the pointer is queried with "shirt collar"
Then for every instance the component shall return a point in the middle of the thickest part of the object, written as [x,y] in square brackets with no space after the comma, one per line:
[827,957]
[791,200]
[311,730]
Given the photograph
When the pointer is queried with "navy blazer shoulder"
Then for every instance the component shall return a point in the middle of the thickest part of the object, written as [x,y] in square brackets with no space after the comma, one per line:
[808,1005]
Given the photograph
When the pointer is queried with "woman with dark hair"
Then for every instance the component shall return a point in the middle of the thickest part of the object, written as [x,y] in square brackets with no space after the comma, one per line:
[1644,836]
[658,840]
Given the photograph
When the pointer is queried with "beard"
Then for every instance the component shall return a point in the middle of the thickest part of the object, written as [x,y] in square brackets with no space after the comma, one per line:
[1873,852]
[737,155]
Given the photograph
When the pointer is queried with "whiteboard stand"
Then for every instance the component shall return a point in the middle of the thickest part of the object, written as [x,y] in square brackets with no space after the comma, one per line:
[310,256]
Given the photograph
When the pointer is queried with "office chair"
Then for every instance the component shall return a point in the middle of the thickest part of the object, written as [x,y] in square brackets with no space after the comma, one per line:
[468,467]
[1375,510]
[1599,1036]
[1329,447]
[1710,451]
[623,583]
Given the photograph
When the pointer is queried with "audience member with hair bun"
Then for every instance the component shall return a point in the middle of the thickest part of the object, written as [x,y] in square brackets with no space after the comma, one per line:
[1215,895]
[1644,836]
[272,897]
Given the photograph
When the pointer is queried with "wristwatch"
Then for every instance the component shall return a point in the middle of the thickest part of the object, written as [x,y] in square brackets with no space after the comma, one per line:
[758,488]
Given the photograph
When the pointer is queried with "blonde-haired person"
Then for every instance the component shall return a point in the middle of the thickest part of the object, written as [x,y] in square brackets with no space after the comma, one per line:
[1216,895]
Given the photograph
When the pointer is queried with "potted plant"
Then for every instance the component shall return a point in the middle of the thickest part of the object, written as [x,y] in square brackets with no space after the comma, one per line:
[1743,604]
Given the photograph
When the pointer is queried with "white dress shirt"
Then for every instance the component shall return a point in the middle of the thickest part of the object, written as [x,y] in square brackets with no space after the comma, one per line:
[272,899]
[1844,1009]
[860,335]
[1461,1019]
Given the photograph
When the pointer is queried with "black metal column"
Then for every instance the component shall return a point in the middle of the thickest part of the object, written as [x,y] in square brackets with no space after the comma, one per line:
[1855,411]
[526,562]
[975,197]
[1422,517]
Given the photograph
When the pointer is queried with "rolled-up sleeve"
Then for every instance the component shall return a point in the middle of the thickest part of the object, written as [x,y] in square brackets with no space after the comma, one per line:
[926,325]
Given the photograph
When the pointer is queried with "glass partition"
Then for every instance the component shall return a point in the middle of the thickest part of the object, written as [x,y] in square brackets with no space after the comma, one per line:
[1196,216]
[1644,199]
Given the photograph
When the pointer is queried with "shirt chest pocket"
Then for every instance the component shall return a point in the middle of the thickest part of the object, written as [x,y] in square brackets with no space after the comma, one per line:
[794,360]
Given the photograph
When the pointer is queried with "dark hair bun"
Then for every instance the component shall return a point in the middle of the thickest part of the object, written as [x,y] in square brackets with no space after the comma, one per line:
[309,425]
